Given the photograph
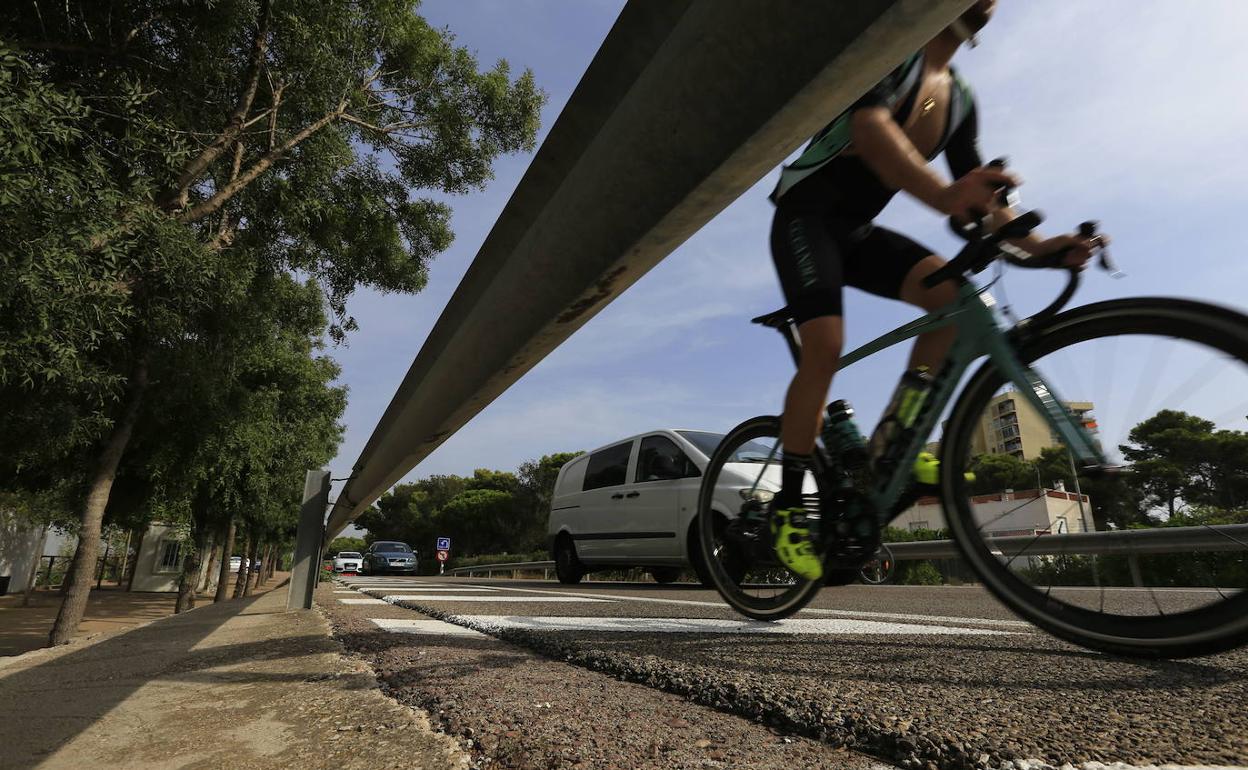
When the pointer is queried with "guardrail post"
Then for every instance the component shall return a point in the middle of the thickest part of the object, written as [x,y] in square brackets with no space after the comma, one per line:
[308,541]
[1133,562]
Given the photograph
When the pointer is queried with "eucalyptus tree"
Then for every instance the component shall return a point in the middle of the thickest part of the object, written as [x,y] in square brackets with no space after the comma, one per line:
[180,139]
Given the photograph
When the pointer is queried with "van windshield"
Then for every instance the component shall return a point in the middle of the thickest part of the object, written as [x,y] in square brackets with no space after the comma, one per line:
[749,452]
[703,440]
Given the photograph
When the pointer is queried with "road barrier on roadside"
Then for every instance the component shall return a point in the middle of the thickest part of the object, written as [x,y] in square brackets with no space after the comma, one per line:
[1125,542]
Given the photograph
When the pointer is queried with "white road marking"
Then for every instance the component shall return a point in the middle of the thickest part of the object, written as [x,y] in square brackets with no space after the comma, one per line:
[815,610]
[415,626]
[921,618]
[490,598]
[432,589]
[361,601]
[1036,764]
[820,626]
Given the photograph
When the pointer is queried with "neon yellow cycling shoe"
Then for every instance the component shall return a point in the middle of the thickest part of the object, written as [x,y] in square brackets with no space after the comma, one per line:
[793,545]
[927,470]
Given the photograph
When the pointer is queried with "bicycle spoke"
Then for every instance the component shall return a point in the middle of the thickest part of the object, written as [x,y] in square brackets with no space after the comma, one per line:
[1020,553]
[1159,391]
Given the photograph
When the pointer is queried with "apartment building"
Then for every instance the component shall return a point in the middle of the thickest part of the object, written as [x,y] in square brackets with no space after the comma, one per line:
[1011,425]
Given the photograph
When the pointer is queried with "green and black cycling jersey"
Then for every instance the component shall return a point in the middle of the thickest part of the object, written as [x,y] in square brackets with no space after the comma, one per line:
[826,178]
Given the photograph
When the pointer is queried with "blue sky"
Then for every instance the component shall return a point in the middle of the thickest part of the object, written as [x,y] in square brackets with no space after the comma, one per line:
[1126,111]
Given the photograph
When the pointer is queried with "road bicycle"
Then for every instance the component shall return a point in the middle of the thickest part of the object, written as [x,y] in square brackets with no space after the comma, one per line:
[1112,564]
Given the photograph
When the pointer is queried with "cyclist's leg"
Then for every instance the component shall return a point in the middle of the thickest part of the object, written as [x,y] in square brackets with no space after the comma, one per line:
[808,264]
[889,264]
[931,347]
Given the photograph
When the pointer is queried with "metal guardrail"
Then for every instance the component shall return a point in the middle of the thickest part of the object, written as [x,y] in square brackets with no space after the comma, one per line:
[512,567]
[1228,537]
[1129,542]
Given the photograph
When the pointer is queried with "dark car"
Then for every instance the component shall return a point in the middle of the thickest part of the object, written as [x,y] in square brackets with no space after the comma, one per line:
[389,556]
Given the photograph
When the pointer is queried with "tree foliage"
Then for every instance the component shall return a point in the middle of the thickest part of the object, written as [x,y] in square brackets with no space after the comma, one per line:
[491,512]
[171,172]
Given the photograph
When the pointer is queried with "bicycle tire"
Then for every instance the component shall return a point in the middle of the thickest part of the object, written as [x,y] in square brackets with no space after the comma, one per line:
[726,582]
[1216,627]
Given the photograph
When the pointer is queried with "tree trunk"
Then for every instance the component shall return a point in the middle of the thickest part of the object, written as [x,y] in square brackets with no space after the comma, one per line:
[32,577]
[102,475]
[243,567]
[251,562]
[264,563]
[73,562]
[138,549]
[266,571]
[213,548]
[227,550]
[191,563]
[125,559]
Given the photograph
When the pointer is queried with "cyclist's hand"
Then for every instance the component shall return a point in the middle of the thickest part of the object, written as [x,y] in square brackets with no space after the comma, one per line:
[974,195]
[1078,249]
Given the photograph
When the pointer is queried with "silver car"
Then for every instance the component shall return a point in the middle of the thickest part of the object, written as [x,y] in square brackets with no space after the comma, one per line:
[389,556]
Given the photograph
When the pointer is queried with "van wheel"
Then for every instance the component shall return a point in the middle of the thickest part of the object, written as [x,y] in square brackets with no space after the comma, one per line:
[736,569]
[568,568]
[665,575]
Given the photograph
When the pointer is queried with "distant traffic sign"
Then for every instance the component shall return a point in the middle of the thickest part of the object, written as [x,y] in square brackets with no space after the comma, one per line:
[444,555]
[444,544]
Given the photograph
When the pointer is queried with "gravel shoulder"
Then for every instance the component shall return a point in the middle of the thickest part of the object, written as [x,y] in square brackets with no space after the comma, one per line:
[952,701]
[514,708]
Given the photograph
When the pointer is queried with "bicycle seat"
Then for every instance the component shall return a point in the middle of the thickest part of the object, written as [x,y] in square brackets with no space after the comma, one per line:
[776,319]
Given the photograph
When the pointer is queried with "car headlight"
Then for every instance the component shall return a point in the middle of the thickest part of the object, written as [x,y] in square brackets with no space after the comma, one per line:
[761,495]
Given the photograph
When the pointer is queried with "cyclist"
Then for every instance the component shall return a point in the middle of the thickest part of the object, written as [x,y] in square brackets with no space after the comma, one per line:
[823,237]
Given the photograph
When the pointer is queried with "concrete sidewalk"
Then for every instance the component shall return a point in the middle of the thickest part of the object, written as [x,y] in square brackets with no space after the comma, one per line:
[239,684]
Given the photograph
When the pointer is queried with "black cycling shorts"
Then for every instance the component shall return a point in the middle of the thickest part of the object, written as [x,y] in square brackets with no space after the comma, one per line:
[816,254]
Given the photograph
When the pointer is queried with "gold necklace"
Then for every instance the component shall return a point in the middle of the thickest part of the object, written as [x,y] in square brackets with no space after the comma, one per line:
[928,104]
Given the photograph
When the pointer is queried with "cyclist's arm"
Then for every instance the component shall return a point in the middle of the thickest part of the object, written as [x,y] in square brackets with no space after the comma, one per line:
[963,156]
[888,152]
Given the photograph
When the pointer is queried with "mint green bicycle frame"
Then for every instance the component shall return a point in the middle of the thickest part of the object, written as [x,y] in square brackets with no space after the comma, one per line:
[982,332]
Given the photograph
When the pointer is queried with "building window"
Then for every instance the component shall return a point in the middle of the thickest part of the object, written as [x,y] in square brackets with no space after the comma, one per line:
[169,556]
[1006,406]
[917,525]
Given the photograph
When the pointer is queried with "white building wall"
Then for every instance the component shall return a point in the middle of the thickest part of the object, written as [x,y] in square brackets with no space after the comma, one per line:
[154,569]
[1018,512]
[17,549]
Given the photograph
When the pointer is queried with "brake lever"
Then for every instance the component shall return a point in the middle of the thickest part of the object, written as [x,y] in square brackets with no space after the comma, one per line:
[1088,230]
[1107,264]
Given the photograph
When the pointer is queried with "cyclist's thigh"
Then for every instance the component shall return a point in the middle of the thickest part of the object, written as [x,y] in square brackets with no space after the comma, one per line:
[879,260]
[808,263]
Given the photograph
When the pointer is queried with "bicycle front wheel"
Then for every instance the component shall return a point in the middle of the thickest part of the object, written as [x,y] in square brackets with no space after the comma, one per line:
[1149,561]
[737,557]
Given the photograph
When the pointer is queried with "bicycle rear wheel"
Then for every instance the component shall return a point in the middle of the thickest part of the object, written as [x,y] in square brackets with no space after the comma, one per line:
[739,481]
[1151,561]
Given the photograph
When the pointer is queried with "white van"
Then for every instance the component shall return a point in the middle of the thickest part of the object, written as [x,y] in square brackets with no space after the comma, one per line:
[634,503]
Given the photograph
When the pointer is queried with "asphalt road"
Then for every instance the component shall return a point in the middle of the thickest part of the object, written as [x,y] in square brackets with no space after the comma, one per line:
[918,676]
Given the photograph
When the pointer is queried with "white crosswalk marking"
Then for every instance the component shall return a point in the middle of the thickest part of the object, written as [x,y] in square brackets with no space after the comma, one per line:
[713,625]
[498,598]
[432,589]
[420,626]
[361,601]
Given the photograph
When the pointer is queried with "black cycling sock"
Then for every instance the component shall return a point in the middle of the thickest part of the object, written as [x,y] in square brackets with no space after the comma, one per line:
[793,467]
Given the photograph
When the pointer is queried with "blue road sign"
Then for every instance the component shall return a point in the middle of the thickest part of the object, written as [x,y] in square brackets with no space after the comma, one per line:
[444,544]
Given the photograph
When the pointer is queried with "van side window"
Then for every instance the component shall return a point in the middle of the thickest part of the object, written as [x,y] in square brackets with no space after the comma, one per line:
[609,467]
[660,459]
